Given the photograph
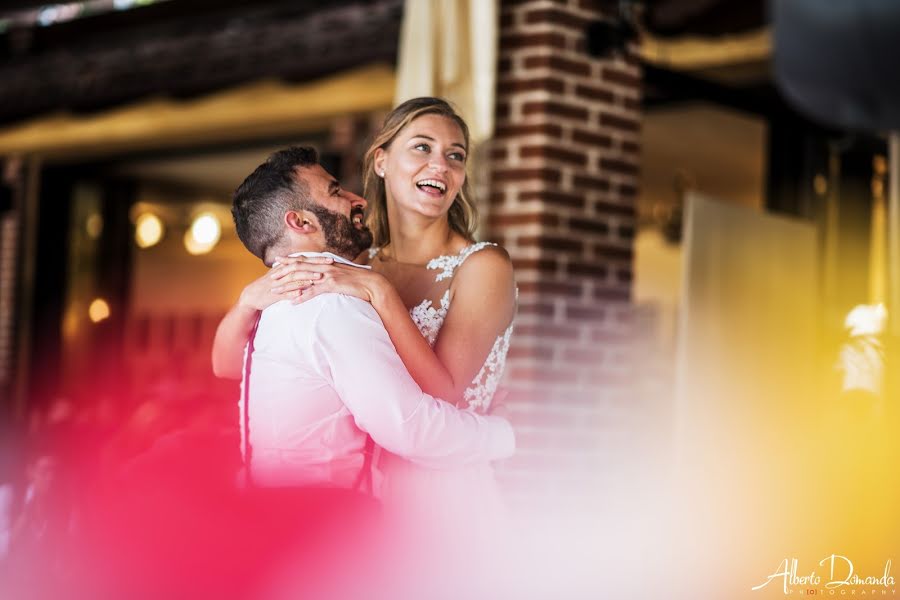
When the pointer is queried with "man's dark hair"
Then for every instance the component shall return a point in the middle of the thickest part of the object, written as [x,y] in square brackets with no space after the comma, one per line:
[259,203]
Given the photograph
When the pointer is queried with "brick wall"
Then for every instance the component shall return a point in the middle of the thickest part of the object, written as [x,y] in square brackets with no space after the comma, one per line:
[564,175]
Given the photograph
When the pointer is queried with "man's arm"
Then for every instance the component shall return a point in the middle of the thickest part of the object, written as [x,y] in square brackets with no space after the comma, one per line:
[355,352]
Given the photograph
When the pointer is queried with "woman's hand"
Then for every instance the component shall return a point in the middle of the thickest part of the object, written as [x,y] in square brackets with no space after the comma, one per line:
[285,281]
[364,284]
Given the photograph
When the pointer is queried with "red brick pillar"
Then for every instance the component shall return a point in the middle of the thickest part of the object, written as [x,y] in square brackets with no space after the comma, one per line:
[564,176]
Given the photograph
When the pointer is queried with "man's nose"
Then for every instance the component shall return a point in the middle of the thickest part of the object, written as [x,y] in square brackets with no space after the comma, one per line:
[357,200]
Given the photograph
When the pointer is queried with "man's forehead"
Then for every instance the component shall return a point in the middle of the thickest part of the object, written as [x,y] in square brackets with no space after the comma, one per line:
[318,174]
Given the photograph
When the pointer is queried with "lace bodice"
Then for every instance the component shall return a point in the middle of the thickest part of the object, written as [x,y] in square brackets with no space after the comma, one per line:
[429,320]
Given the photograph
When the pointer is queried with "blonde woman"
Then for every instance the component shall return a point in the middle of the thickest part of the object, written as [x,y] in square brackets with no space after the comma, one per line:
[446,301]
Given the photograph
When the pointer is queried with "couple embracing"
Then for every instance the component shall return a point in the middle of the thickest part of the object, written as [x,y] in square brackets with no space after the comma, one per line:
[371,351]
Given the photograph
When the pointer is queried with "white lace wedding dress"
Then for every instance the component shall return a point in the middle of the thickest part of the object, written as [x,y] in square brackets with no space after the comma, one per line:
[445,500]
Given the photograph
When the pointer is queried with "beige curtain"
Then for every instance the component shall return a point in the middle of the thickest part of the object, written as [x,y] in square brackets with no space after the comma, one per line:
[747,395]
[448,48]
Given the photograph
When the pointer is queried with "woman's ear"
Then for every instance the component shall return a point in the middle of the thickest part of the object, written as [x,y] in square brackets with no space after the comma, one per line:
[380,159]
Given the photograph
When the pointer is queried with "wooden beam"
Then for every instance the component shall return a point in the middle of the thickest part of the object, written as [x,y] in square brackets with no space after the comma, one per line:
[253,111]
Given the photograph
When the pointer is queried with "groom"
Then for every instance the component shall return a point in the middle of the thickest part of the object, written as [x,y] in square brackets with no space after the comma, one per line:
[323,375]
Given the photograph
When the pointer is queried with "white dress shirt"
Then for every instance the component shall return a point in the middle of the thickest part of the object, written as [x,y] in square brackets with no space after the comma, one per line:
[325,373]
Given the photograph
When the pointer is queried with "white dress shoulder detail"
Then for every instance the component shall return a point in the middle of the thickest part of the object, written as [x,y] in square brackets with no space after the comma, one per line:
[430,319]
[450,262]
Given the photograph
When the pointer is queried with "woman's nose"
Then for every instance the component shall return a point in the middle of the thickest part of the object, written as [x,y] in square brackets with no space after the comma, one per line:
[438,162]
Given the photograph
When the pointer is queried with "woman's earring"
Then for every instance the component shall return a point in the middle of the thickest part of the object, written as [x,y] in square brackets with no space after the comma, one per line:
[381,174]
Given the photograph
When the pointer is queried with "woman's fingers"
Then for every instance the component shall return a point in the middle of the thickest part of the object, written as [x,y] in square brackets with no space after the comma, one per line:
[296,275]
[309,293]
[305,268]
[294,281]
[324,286]
[293,264]
[310,260]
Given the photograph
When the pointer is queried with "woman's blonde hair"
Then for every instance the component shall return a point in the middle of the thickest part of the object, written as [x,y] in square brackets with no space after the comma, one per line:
[463,216]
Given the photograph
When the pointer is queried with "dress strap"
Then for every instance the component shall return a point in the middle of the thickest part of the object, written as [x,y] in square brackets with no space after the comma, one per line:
[245,429]
[450,262]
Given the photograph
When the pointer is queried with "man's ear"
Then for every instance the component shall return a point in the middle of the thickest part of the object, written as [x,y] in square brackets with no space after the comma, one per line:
[301,221]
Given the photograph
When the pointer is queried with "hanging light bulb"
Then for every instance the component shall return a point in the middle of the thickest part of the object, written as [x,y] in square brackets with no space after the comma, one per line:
[98,310]
[148,231]
[204,234]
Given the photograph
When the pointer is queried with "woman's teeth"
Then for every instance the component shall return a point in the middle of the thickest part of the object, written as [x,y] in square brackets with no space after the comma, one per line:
[432,183]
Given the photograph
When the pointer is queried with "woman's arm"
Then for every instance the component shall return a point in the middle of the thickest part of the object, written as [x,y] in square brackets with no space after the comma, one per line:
[417,356]
[231,337]
[234,329]
[482,308]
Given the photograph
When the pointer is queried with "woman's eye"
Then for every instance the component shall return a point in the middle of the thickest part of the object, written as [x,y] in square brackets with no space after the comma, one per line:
[423,147]
[458,156]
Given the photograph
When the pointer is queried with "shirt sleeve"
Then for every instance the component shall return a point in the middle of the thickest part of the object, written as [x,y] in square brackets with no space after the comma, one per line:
[357,356]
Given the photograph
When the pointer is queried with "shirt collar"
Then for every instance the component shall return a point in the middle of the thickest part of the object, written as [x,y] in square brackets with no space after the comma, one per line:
[335,257]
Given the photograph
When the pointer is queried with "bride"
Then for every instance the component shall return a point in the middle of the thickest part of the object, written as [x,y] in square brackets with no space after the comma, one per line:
[446,301]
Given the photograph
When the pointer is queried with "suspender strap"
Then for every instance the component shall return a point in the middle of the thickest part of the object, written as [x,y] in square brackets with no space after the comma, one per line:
[248,450]
[364,479]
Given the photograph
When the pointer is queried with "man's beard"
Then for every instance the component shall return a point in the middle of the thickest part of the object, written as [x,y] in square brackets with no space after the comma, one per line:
[341,237]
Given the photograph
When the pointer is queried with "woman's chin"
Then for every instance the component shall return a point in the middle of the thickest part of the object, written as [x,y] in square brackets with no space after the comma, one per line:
[434,211]
[428,207]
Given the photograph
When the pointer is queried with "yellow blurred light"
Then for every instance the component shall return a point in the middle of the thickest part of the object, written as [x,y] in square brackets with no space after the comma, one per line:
[820,184]
[94,226]
[866,319]
[148,230]
[203,235]
[98,310]
[206,229]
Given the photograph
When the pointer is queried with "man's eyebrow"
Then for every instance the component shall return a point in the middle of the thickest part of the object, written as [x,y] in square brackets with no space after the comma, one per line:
[334,187]
[431,139]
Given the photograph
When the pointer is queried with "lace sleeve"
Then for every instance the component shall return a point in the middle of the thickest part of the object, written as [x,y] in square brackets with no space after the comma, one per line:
[484,385]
